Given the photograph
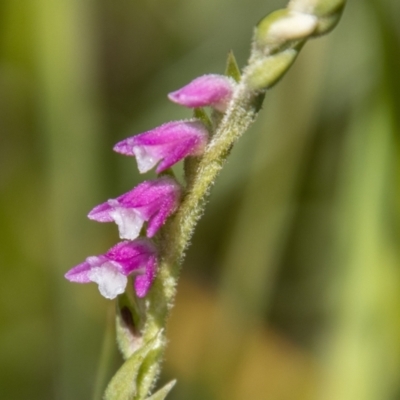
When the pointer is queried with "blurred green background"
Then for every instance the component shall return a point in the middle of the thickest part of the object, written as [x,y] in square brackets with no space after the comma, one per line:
[291,288]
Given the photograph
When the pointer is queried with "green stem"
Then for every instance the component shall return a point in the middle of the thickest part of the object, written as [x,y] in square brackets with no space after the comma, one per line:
[177,234]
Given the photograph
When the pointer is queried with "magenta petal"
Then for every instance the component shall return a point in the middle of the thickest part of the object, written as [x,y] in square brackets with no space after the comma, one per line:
[124,147]
[170,132]
[158,220]
[79,273]
[101,213]
[168,144]
[126,251]
[207,90]
[131,255]
[149,195]
[185,148]
[143,282]
[142,285]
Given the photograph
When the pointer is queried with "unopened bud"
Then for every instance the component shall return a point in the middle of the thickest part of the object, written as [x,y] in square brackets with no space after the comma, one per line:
[327,12]
[282,26]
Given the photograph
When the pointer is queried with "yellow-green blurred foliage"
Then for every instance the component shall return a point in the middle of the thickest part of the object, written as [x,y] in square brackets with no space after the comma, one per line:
[291,288]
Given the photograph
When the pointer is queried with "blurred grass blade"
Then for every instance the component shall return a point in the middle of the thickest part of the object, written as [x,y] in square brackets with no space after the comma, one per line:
[70,121]
[362,360]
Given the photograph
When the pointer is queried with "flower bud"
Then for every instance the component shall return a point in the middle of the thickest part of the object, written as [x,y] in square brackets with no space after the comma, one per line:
[207,90]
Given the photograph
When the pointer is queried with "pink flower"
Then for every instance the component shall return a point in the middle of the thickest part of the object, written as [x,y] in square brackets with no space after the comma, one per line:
[207,90]
[152,201]
[166,144]
[110,270]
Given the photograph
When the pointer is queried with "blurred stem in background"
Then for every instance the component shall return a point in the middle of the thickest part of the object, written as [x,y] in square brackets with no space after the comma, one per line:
[107,353]
[362,352]
[68,107]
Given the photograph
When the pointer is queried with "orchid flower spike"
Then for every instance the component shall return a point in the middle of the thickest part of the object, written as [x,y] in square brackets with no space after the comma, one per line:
[111,269]
[152,201]
[207,90]
[166,144]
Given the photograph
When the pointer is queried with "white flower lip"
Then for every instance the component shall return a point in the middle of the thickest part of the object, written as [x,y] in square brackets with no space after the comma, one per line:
[111,282]
[144,158]
[129,222]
